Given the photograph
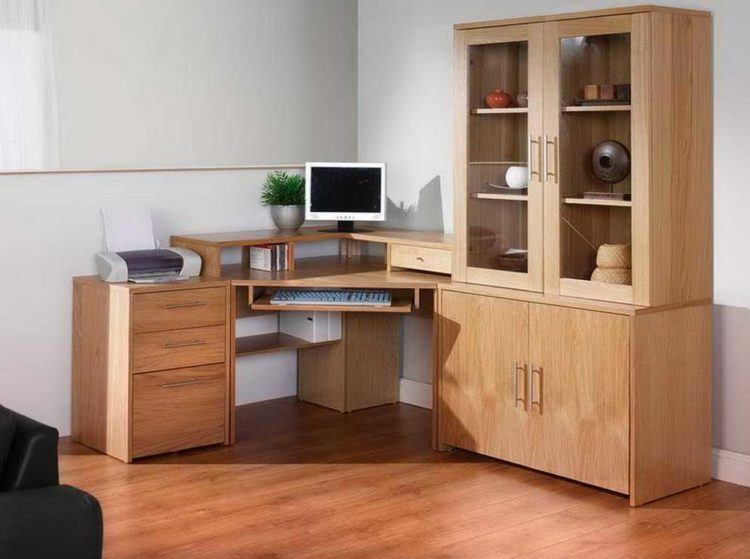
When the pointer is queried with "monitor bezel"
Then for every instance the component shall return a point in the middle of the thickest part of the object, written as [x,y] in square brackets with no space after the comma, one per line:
[339,216]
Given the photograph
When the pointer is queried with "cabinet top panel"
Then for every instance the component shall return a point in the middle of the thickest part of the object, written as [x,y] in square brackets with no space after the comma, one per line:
[580,15]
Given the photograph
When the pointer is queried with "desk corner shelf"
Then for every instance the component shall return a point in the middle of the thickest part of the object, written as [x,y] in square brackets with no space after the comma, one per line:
[268,343]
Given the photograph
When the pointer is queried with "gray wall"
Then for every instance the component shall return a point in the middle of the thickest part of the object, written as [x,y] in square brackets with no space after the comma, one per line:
[189,83]
[51,226]
[406,118]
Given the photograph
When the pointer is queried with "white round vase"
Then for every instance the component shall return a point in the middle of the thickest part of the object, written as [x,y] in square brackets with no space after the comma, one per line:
[517,177]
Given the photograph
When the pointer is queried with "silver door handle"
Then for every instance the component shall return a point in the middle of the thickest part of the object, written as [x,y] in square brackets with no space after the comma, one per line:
[547,172]
[537,399]
[516,368]
[530,154]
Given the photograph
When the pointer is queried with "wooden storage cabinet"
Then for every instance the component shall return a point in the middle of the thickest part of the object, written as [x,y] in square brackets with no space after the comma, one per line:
[664,56]
[578,392]
[151,366]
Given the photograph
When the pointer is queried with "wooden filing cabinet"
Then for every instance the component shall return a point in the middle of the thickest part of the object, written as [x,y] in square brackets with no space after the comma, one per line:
[151,366]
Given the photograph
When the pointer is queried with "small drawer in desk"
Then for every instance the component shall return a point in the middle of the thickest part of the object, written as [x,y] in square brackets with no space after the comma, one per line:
[183,308]
[173,410]
[155,351]
[422,258]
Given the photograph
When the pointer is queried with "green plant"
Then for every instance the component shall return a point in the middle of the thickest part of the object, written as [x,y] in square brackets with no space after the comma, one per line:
[283,189]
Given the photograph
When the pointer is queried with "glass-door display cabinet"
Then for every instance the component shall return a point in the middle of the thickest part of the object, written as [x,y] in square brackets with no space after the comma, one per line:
[500,205]
[583,157]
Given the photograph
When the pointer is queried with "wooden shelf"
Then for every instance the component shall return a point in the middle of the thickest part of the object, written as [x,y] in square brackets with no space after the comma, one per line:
[400,304]
[595,108]
[492,196]
[512,110]
[268,343]
[521,163]
[334,271]
[598,202]
[586,289]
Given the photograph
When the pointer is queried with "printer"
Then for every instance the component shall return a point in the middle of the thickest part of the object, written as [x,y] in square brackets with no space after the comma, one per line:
[149,265]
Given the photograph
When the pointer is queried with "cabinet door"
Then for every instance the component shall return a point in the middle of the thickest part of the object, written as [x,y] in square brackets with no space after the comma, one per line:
[481,340]
[499,229]
[595,196]
[579,394]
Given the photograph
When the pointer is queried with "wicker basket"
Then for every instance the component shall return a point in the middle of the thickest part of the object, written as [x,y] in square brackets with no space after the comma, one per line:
[613,256]
[622,276]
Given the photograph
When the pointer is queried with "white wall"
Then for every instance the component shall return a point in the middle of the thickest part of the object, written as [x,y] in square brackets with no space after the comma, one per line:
[50,225]
[186,83]
[406,118]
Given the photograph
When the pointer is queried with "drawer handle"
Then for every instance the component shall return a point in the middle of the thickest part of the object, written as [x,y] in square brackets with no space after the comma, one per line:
[420,259]
[189,343]
[181,383]
[184,305]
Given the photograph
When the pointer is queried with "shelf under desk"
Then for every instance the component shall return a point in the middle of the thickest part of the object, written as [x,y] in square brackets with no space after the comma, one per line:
[268,343]
[400,304]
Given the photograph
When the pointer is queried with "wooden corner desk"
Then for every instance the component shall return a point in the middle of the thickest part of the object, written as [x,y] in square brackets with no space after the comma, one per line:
[154,364]
[361,370]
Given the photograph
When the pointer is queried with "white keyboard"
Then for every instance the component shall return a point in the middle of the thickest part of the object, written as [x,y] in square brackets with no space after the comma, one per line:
[342,297]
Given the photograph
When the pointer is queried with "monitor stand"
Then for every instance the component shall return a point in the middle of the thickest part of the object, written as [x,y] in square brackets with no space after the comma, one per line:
[345,227]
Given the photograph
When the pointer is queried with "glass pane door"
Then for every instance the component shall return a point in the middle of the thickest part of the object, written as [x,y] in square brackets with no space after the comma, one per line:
[590,158]
[501,198]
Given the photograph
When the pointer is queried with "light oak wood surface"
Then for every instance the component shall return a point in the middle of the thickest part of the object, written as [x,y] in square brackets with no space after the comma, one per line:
[580,369]
[173,310]
[173,349]
[583,14]
[107,354]
[372,360]
[178,409]
[100,383]
[335,271]
[321,375]
[483,396]
[671,402]
[368,486]
[421,258]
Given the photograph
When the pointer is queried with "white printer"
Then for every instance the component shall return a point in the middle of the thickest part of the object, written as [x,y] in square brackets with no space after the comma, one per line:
[148,266]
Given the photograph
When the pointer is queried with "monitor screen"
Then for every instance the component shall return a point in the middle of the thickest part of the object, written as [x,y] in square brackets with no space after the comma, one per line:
[346,190]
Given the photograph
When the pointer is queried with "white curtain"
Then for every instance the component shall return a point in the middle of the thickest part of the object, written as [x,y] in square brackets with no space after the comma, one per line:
[29,135]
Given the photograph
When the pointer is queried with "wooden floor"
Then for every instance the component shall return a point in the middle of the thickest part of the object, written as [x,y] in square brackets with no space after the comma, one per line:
[307,482]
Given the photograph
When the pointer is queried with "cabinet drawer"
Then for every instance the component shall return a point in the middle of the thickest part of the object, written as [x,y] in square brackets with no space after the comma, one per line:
[422,258]
[171,310]
[174,410]
[155,351]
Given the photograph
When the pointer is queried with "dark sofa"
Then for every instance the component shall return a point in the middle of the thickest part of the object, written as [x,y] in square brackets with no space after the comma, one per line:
[39,518]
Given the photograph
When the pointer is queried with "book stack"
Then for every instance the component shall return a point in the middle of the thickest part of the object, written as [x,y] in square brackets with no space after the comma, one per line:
[271,258]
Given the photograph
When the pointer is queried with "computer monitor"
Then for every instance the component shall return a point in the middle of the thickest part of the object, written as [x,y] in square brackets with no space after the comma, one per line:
[345,192]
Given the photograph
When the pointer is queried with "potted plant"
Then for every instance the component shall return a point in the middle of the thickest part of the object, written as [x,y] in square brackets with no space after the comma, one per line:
[285,193]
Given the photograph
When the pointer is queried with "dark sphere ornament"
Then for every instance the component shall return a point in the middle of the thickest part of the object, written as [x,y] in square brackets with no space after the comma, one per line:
[610,162]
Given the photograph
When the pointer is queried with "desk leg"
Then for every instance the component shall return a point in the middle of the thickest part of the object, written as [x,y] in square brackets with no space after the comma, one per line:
[231,398]
[437,444]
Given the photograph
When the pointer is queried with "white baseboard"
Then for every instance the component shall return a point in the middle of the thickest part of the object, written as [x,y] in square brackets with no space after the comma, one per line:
[415,393]
[731,466]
